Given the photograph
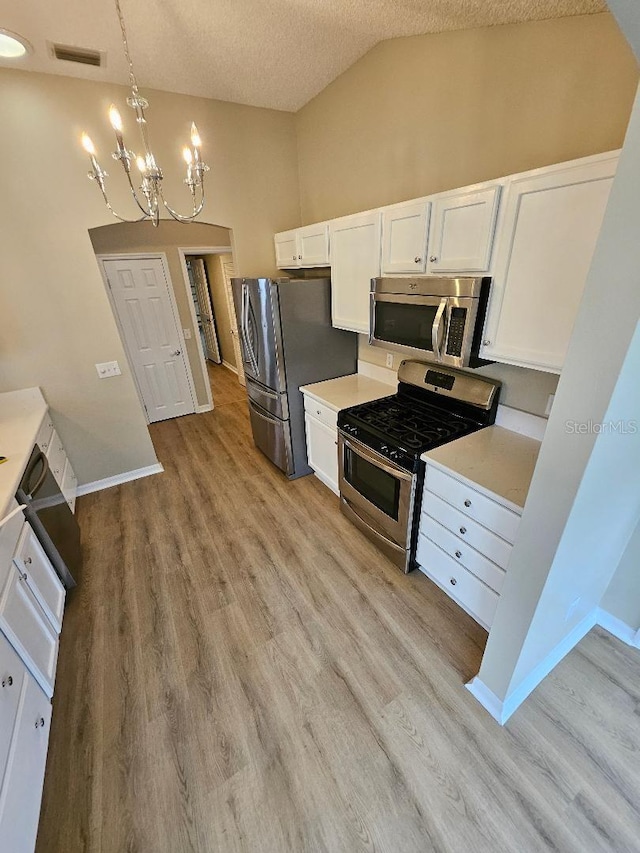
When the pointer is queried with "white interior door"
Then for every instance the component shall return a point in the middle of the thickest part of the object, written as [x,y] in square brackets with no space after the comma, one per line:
[209,333]
[142,301]
[228,272]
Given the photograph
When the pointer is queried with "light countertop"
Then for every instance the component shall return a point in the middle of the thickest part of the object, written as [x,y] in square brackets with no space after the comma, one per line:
[347,391]
[494,460]
[21,415]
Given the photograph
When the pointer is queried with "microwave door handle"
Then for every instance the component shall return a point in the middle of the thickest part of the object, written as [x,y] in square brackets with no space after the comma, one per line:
[435,329]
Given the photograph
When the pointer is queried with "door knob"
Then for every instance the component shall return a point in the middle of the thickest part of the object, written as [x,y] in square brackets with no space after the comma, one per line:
[177,352]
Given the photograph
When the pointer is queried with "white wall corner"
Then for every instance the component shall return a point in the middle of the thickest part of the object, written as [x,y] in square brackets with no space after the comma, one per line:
[119,479]
[618,628]
[501,710]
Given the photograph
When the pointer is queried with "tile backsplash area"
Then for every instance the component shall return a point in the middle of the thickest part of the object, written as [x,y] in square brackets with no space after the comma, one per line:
[527,390]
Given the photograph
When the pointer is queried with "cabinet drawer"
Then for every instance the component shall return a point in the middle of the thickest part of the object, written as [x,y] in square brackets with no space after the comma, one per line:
[21,793]
[483,540]
[29,631]
[470,593]
[487,512]
[463,553]
[12,674]
[45,433]
[57,457]
[41,577]
[9,537]
[321,412]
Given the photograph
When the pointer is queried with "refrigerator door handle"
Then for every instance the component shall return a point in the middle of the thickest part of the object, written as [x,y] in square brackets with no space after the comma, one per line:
[245,330]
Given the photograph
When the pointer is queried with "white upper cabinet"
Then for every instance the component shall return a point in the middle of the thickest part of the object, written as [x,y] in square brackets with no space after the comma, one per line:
[404,238]
[286,244]
[355,260]
[462,231]
[303,247]
[313,245]
[549,228]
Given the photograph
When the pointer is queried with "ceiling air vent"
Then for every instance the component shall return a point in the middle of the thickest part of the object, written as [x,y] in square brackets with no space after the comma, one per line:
[77,54]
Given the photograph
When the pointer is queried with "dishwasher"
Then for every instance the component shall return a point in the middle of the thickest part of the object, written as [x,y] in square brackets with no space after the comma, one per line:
[50,517]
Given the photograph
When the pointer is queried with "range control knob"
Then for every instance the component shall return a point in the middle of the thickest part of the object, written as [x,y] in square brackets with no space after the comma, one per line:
[384,448]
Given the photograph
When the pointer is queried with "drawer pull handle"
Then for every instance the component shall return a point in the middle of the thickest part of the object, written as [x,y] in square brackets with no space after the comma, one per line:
[467,502]
[318,411]
[40,723]
[458,554]
[453,581]
[27,561]
[8,681]
[463,530]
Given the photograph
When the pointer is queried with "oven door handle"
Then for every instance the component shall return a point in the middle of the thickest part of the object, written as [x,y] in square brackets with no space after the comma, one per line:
[375,459]
[435,329]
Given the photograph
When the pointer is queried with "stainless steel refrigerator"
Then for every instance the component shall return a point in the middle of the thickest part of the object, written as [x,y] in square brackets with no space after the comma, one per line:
[287,340]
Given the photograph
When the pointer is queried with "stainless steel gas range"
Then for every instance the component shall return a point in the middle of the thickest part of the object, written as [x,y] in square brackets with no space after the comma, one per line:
[380,444]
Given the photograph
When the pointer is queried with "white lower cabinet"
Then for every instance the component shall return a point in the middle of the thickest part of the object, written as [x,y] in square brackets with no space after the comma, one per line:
[22,771]
[464,542]
[322,441]
[40,576]
[69,485]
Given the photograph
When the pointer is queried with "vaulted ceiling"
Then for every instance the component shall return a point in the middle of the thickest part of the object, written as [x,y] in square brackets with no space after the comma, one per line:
[268,53]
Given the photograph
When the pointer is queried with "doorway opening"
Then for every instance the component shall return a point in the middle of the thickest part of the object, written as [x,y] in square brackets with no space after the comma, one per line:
[174,310]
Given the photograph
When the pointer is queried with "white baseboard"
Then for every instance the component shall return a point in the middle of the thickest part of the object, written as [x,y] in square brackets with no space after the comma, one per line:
[618,628]
[376,371]
[502,709]
[230,367]
[206,407]
[118,479]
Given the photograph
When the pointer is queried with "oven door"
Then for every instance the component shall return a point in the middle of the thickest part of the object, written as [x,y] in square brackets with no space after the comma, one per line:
[377,496]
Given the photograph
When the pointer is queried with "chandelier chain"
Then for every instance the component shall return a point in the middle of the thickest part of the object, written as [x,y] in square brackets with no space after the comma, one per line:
[125,44]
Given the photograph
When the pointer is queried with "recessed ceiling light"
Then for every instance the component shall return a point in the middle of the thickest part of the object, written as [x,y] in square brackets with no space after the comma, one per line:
[12,45]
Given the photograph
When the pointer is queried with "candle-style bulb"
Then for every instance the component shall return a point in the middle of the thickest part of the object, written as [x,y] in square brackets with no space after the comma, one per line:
[195,136]
[141,164]
[188,156]
[88,145]
[115,118]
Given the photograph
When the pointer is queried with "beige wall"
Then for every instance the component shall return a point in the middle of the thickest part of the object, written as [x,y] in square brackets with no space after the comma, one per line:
[429,113]
[168,237]
[56,319]
[223,324]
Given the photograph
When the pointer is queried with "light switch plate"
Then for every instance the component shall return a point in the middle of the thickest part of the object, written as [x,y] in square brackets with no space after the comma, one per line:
[107,369]
[390,360]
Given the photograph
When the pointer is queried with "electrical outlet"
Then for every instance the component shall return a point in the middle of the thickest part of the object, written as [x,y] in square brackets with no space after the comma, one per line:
[550,400]
[390,360]
[186,333]
[107,369]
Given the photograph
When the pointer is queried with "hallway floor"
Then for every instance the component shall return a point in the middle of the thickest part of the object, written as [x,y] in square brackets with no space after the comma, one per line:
[242,672]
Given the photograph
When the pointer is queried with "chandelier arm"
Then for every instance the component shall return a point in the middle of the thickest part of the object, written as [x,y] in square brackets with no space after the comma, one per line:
[197,208]
[117,215]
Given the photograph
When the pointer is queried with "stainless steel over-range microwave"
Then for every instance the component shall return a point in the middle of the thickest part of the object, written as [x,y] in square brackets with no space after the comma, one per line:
[441,319]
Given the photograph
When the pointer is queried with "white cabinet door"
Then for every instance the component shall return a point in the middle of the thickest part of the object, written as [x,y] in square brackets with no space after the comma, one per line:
[322,451]
[313,245]
[29,631]
[56,457]
[355,260]
[462,229]
[549,230]
[286,243]
[404,238]
[32,562]
[69,485]
[21,792]
[12,675]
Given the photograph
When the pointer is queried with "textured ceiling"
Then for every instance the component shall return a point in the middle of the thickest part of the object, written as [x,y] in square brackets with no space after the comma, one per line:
[269,53]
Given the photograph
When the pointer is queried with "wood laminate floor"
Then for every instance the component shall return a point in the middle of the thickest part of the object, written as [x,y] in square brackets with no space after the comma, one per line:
[242,672]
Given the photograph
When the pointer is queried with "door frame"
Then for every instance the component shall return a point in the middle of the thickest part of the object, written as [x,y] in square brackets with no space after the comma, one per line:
[183,251]
[145,256]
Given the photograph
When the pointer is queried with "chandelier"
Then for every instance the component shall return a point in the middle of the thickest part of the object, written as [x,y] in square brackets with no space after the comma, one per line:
[148,195]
